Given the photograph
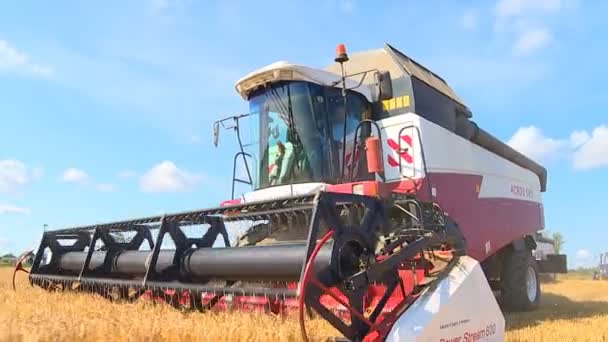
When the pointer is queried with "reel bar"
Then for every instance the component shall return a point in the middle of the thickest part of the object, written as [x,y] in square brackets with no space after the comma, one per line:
[125,258]
[250,210]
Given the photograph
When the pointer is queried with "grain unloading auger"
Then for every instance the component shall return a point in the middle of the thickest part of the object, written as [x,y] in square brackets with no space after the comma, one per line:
[344,221]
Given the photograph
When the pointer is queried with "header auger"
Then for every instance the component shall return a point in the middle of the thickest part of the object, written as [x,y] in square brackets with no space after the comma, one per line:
[375,203]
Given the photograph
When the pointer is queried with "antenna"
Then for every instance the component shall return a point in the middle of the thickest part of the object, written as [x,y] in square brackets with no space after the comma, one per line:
[342,57]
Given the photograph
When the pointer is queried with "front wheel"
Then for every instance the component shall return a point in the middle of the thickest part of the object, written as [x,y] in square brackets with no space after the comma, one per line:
[520,285]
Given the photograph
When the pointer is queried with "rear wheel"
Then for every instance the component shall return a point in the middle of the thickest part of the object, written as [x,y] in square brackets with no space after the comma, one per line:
[520,285]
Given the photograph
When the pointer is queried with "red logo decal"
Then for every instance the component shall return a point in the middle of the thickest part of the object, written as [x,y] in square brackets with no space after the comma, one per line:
[404,154]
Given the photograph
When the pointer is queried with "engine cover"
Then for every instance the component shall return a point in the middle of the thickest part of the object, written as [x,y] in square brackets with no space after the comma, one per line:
[461,308]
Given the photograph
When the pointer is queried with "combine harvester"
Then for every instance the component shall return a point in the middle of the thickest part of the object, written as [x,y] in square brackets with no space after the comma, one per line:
[377,205]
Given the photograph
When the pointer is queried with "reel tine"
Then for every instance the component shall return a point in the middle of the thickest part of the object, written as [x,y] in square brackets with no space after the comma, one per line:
[19,265]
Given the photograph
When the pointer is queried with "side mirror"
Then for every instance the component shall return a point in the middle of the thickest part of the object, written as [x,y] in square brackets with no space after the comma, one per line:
[216,133]
[384,85]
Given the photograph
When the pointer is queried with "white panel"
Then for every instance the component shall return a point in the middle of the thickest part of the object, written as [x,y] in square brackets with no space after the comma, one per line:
[494,186]
[391,128]
[283,191]
[447,152]
[461,308]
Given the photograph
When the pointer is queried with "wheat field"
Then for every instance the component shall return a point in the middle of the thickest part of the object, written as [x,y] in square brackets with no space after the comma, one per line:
[572,310]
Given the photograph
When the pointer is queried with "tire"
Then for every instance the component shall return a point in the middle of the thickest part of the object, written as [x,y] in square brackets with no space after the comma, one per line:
[519,284]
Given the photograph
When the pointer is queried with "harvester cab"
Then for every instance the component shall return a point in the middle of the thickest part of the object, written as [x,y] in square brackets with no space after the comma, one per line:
[343,222]
[305,124]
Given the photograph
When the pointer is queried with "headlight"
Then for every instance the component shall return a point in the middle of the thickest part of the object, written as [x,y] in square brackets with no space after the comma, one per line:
[358,189]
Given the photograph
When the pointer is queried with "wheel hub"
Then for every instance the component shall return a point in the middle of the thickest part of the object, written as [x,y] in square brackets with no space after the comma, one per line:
[531,284]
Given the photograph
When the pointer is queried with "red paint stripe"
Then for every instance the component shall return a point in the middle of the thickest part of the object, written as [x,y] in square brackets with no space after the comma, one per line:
[407,157]
[392,144]
[392,162]
[407,139]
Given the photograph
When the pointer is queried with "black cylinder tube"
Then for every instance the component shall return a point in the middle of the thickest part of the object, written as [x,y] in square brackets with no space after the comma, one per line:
[127,262]
[264,263]
[72,262]
[277,262]
[135,262]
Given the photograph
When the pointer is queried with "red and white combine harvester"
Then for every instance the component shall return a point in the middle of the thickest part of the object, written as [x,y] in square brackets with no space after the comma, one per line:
[376,204]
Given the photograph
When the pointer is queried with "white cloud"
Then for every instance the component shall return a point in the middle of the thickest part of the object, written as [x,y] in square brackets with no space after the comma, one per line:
[347,6]
[529,21]
[11,209]
[578,138]
[516,8]
[167,177]
[468,20]
[159,5]
[593,148]
[37,173]
[105,187]
[73,175]
[531,142]
[164,5]
[13,175]
[13,60]
[585,150]
[530,41]
[78,176]
[126,174]
[582,254]
[342,6]
[194,140]
[10,57]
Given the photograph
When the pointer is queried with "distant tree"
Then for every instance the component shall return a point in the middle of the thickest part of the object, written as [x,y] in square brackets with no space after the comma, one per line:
[558,242]
[8,256]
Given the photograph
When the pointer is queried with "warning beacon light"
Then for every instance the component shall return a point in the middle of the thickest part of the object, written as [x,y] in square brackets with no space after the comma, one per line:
[341,55]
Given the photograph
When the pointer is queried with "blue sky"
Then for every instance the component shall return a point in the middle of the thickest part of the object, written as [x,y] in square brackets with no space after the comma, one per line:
[106,108]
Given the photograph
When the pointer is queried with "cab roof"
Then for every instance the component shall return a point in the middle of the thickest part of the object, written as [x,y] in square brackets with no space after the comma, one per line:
[286,71]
